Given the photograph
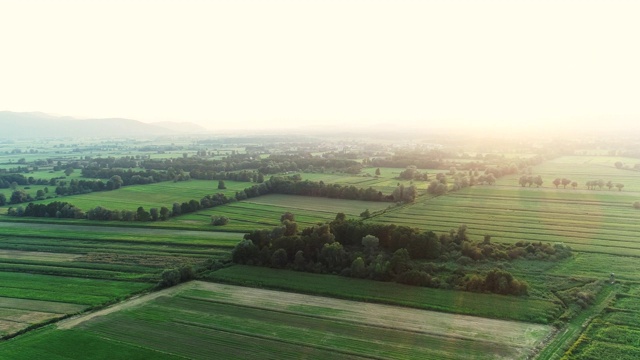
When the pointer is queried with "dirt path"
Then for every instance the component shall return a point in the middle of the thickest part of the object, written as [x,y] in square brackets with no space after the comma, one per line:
[126,304]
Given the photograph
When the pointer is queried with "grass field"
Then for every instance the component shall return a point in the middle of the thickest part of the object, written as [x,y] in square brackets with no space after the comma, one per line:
[148,196]
[204,321]
[265,211]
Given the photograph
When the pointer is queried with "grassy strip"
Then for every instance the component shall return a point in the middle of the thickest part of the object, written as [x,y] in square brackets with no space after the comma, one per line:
[486,305]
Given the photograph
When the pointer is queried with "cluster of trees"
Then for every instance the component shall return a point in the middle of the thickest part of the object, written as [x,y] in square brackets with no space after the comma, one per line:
[564,182]
[131,177]
[460,180]
[388,253]
[410,173]
[591,185]
[54,209]
[202,168]
[13,180]
[528,180]
[218,220]
[293,186]
[76,186]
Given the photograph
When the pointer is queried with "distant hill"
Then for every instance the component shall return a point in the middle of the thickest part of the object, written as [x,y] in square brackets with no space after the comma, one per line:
[182,127]
[37,124]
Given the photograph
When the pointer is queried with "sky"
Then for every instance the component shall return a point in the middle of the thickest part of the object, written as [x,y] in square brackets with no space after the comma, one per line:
[347,63]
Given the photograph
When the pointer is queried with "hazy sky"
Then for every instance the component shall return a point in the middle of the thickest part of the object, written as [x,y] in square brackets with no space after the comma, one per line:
[254,64]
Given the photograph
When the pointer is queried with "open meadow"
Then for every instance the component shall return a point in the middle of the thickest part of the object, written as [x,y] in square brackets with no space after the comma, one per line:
[202,321]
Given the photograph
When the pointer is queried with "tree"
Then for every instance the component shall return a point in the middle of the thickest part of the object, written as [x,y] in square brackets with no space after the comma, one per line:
[221,185]
[619,186]
[574,185]
[565,182]
[3,200]
[618,165]
[287,216]
[370,244]
[142,215]
[170,277]
[176,209]
[609,184]
[68,171]
[154,214]
[19,196]
[40,194]
[378,172]
[164,213]
[538,181]
[279,259]
[115,182]
[217,220]
[636,205]
[557,182]
[244,252]
[358,270]
[400,261]
[365,214]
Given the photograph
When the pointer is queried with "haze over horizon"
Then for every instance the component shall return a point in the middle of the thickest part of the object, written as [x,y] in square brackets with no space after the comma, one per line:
[283,64]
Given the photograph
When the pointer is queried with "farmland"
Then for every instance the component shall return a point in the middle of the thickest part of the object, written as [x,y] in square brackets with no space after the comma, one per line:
[53,268]
[50,271]
[265,211]
[151,195]
[254,323]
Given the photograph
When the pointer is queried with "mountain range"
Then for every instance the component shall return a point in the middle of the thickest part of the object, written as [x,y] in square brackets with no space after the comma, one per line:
[37,124]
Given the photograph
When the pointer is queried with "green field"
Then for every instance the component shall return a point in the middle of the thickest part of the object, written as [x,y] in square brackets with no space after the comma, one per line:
[204,321]
[265,211]
[148,196]
[459,302]
[589,221]
[78,267]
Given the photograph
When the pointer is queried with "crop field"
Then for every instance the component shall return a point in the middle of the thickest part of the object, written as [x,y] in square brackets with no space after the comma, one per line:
[386,182]
[265,211]
[57,270]
[614,333]
[30,299]
[203,321]
[148,196]
[594,221]
[458,302]
[582,169]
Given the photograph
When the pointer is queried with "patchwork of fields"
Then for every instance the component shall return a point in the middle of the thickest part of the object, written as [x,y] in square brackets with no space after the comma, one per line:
[48,272]
[51,271]
[203,321]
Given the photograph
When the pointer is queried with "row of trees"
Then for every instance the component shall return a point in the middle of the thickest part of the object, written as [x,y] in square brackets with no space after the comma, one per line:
[528,180]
